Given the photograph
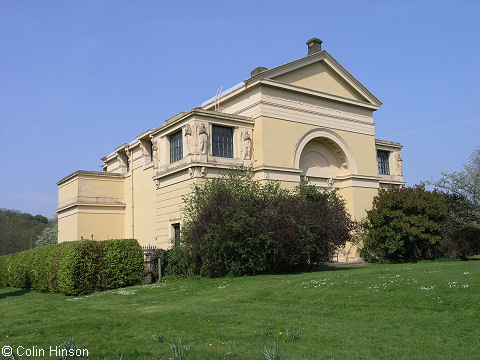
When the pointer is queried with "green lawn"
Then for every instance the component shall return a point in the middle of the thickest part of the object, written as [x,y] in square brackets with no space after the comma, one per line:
[408,311]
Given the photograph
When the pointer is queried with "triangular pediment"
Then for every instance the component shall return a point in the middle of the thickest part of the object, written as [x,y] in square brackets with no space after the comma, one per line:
[320,77]
[320,73]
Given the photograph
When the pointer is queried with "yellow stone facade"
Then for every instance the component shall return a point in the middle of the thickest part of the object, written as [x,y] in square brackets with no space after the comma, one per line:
[308,118]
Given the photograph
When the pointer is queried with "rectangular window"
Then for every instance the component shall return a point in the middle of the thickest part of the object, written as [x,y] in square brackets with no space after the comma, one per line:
[176,147]
[176,234]
[151,151]
[222,141]
[382,158]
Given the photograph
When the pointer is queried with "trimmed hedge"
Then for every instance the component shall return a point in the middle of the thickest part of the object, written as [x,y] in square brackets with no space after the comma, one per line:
[123,263]
[75,268]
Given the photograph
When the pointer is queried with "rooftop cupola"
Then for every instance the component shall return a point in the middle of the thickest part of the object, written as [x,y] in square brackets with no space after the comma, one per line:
[314,46]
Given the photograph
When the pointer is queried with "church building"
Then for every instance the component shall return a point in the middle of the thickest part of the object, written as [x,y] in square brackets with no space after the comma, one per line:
[309,118]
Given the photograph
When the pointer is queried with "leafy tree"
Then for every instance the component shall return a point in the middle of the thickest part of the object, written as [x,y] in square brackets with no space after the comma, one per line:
[461,228]
[404,225]
[463,223]
[466,183]
[412,224]
[464,188]
[49,234]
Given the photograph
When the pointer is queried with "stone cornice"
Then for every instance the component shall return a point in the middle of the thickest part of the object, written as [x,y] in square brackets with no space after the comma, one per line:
[121,148]
[108,157]
[145,135]
[388,143]
[315,93]
[90,204]
[276,168]
[200,112]
[170,170]
[393,182]
[90,173]
[307,93]
[299,90]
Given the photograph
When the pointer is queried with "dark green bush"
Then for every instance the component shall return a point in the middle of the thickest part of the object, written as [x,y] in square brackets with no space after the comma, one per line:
[122,263]
[181,262]
[74,268]
[412,224]
[237,226]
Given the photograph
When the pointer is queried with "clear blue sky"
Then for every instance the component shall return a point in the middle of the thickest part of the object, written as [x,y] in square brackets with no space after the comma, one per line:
[79,78]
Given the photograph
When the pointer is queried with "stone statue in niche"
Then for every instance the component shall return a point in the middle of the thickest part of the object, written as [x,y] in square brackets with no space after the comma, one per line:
[330,182]
[398,157]
[155,154]
[189,139]
[129,154]
[202,139]
[247,146]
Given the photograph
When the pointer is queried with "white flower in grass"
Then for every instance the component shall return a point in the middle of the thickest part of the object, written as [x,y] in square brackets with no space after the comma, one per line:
[427,287]
[125,292]
[159,285]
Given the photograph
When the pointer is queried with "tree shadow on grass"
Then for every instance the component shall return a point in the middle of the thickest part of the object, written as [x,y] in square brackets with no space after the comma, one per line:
[14,293]
[338,266]
[327,266]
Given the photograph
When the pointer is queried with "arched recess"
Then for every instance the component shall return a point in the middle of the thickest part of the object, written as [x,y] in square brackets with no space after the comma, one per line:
[324,154]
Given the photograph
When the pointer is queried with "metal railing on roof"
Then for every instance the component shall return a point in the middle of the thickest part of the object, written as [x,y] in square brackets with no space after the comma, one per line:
[222,94]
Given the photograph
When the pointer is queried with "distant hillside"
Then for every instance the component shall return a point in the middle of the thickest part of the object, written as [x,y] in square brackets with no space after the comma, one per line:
[19,230]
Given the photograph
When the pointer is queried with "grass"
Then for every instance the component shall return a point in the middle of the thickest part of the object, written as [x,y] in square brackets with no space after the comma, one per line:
[409,311]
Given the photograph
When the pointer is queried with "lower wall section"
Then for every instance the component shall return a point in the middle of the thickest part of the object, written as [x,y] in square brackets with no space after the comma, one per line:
[359,200]
[68,227]
[102,226]
[84,221]
[168,203]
